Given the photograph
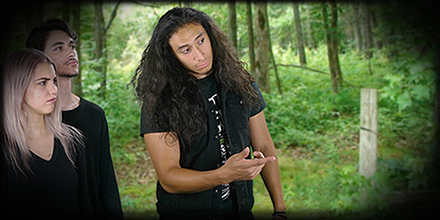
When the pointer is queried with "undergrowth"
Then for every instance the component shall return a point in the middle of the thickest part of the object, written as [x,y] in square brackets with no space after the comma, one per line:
[316,134]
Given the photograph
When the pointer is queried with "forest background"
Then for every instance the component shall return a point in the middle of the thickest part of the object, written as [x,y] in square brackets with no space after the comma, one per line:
[310,59]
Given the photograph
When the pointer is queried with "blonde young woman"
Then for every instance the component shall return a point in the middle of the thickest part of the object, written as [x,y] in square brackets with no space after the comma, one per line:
[43,161]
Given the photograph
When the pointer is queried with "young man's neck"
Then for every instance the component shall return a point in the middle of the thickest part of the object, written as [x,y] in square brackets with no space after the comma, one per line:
[69,101]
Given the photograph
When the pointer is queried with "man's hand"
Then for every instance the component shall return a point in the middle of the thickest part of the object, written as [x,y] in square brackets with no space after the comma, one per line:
[239,168]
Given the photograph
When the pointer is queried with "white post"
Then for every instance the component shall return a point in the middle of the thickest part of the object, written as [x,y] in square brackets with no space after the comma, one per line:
[368,133]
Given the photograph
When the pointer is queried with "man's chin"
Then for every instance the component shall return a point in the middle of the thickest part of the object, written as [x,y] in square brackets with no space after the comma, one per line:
[67,75]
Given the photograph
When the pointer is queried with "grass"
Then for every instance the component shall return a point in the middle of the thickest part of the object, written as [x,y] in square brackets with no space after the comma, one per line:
[136,180]
[318,181]
[308,191]
[303,172]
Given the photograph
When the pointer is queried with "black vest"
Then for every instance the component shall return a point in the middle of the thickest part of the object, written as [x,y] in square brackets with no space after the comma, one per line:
[205,203]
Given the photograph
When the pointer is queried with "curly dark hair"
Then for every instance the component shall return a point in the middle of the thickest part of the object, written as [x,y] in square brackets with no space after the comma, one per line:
[169,93]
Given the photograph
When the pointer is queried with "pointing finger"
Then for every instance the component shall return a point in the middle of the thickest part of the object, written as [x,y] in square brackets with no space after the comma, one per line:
[259,154]
[261,161]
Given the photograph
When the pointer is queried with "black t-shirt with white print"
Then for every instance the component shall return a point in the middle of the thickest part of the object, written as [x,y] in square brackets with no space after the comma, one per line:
[210,91]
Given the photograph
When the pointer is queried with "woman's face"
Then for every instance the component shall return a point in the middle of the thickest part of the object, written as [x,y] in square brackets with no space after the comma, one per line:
[42,91]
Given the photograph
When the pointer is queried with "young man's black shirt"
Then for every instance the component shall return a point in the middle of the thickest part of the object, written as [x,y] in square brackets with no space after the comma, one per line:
[90,119]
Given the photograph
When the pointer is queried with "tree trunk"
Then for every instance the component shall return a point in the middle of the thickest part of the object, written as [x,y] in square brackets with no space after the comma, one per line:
[66,10]
[232,23]
[274,65]
[299,35]
[250,27]
[311,40]
[366,30]
[332,45]
[357,27]
[76,25]
[99,37]
[334,42]
[262,55]
[374,24]
[272,58]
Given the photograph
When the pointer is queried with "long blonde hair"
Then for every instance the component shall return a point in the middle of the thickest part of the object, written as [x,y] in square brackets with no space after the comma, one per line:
[18,69]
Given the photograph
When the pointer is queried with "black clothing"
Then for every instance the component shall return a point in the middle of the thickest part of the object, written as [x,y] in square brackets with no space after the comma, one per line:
[216,124]
[204,154]
[54,189]
[103,189]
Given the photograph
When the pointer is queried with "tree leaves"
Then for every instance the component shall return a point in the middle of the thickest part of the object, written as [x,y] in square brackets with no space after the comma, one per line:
[411,83]
[421,92]
[404,101]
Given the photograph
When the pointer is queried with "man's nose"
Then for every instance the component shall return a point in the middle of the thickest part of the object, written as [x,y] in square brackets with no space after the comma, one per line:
[72,52]
[198,54]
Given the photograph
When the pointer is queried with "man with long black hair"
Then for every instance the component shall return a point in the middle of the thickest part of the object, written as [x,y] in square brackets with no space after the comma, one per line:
[202,115]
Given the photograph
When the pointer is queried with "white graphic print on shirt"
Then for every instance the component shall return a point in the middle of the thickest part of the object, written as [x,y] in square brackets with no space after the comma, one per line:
[223,140]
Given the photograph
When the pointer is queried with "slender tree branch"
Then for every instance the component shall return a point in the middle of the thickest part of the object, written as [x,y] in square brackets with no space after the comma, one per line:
[303,67]
[112,17]
[316,71]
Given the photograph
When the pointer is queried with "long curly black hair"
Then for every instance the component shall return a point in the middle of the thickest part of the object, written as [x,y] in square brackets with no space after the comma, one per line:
[169,93]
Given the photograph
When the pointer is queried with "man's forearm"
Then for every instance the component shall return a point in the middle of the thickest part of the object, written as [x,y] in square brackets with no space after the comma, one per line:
[271,178]
[181,180]
[236,168]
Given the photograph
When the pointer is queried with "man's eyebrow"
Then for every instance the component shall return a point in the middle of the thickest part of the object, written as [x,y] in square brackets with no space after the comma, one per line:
[198,36]
[57,43]
[195,39]
[62,43]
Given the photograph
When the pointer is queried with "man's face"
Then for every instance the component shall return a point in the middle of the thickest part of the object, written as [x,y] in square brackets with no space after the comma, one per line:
[61,49]
[192,47]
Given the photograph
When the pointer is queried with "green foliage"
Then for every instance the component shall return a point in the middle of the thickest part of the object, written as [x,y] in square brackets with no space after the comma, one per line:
[308,117]
[349,190]
[309,111]
[411,83]
[315,131]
